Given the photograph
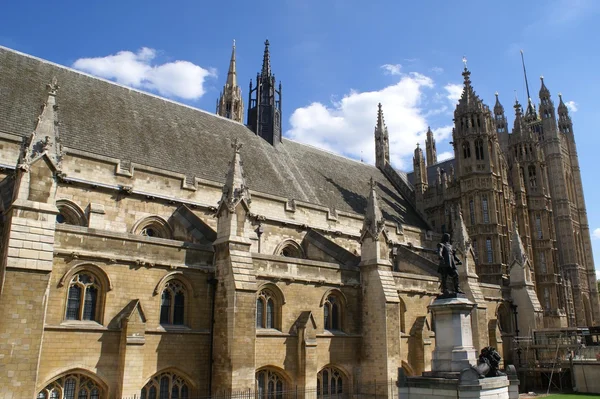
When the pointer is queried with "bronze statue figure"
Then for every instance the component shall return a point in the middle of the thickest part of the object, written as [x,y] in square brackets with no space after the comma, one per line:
[448,263]
[488,363]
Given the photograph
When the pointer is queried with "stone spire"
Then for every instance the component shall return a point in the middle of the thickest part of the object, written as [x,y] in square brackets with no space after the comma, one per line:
[230,104]
[235,190]
[517,249]
[469,101]
[45,138]
[382,141]
[563,111]
[374,223]
[544,92]
[264,103]
[266,66]
[430,148]
[518,127]
[498,108]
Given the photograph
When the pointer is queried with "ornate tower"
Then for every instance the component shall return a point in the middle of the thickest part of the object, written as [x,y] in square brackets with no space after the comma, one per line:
[430,148]
[536,220]
[230,103]
[382,141]
[264,108]
[570,218]
[483,183]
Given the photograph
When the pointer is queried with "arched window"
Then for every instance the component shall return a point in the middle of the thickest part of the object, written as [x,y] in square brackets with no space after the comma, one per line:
[83,297]
[153,226]
[290,249]
[70,213]
[472,211]
[166,385]
[330,383]
[402,309]
[466,149]
[489,250]
[479,149]
[538,227]
[269,385]
[266,310]
[172,303]
[332,313]
[532,176]
[485,209]
[72,386]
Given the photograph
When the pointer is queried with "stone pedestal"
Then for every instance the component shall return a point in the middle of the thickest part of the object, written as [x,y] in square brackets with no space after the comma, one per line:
[454,350]
[452,375]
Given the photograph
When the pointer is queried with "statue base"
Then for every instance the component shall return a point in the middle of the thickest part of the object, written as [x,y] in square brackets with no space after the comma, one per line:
[453,374]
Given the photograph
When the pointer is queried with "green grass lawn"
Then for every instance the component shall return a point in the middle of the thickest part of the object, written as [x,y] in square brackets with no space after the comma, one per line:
[571,396]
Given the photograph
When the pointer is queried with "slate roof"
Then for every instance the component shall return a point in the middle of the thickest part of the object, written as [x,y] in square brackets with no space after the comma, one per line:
[432,171]
[104,118]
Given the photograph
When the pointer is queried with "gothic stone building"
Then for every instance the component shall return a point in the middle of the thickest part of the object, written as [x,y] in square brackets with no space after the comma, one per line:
[150,248]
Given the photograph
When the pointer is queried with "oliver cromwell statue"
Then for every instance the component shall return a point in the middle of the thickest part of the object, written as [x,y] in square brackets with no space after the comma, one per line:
[448,263]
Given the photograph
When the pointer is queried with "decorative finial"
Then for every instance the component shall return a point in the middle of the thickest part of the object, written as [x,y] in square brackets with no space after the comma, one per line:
[267,42]
[542,78]
[496,94]
[417,145]
[53,86]
[372,183]
[233,42]
[236,145]
[464,60]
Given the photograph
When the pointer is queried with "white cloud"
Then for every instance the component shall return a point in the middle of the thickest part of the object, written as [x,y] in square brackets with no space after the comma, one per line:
[572,106]
[444,155]
[346,126]
[181,79]
[596,234]
[454,91]
[392,69]
[437,70]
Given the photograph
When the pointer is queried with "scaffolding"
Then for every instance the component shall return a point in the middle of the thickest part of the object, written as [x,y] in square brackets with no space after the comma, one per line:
[545,357]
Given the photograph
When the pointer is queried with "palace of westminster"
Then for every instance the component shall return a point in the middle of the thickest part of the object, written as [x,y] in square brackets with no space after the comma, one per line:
[150,248]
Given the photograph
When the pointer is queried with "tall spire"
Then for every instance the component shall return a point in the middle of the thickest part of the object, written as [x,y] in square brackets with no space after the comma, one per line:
[498,108]
[544,92]
[231,74]
[230,103]
[430,149]
[266,66]
[382,145]
[562,107]
[518,125]
[469,101]
[264,108]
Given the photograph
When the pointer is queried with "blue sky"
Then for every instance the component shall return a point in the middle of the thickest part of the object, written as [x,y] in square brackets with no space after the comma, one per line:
[337,59]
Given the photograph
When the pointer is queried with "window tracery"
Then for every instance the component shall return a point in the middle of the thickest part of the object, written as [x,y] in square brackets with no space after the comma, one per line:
[172,303]
[266,310]
[332,313]
[83,297]
[166,385]
[72,386]
[330,383]
[269,385]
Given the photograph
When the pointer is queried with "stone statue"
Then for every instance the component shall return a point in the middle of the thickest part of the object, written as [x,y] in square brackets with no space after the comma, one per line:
[448,263]
[488,363]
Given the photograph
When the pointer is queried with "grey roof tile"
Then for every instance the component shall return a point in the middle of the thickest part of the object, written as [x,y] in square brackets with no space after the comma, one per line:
[111,120]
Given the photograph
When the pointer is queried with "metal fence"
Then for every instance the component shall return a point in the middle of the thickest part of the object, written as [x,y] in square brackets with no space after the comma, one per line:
[373,390]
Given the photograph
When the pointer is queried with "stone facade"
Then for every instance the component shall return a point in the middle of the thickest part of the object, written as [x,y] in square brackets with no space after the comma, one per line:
[145,248]
[527,179]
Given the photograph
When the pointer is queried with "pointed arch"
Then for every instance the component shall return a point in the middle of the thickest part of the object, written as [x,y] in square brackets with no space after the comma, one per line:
[171,276]
[332,381]
[334,305]
[169,383]
[97,270]
[290,249]
[269,305]
[153,226]
[78,379]
[70,213]
[271,382]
